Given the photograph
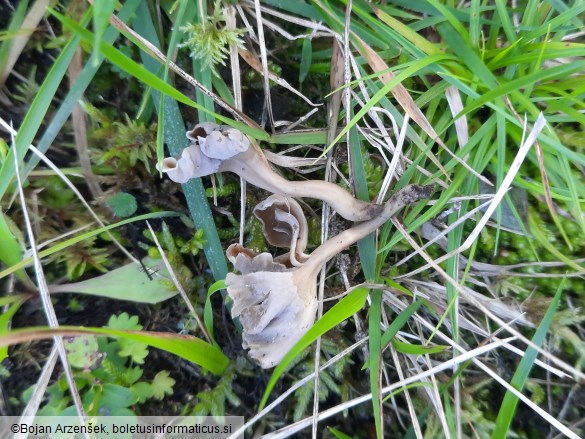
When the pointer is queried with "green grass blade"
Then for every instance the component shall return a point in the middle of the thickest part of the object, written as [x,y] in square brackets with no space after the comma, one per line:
[367,245]
[453,21]
[413,349]
[375,349]
[560,20]
[38,109]
[208,312]
[505,20]
[5,319]
[399,321]
[406,73]
[138,71]
[338,434]
[475,24]
[10,250]
[306,59]
[14,26]
[161,102]
[412,36]
[102,10]
[68,243]
[309,137]
[446,195]
[500,167]
[367,252]
[508,407]
[453,243]
[467,55]
[175,139]
[523,81]
[7,300]
[300,8]
[75,92]
[185,346]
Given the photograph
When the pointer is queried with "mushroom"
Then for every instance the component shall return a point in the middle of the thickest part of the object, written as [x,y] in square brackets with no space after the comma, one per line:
[204,129]
[212,144]
[225,149]
[277,305]
[284,225]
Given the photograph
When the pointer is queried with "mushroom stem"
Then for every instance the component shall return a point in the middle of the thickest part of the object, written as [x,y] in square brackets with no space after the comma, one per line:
[220,148]
[254,168]
[338,243]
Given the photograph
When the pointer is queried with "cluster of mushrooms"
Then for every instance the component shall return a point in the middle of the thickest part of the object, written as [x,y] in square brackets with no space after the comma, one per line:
[276,298]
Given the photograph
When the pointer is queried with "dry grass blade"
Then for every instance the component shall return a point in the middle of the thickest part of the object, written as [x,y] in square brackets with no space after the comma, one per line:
[544,176]
[343,75]
[79,123]
[401,94]
[230,14]
[434,393]
[300,120]
[432,234]
[460,359]
[337,75]
[325,218]
[237,434]
[44,293]
[38,394]
[292,19]
[499,195]
[487,312]
[550,419]
[456,106]
[247,25]
[292,162]
[153,50]
[411,410]
[436,293]
[255,63]
[265,70]
[394,168]
[31,21]
[546,186]
[559,373]
[335,81]
[290,37]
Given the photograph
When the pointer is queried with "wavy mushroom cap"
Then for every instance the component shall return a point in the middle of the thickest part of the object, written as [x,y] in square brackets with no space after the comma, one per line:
[193,163]
[276,306]
[273,342]
[224,144]
[211,145]
[283,222]
[203,130]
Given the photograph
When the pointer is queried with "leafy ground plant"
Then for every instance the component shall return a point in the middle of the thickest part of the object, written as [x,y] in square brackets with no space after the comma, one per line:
[458,317]
[108,375]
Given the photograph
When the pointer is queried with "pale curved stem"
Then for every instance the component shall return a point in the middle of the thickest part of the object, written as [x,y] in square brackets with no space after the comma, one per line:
[252,166]
[338,243]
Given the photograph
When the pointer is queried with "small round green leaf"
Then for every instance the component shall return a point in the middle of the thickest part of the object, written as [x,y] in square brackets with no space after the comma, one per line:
[123,204]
